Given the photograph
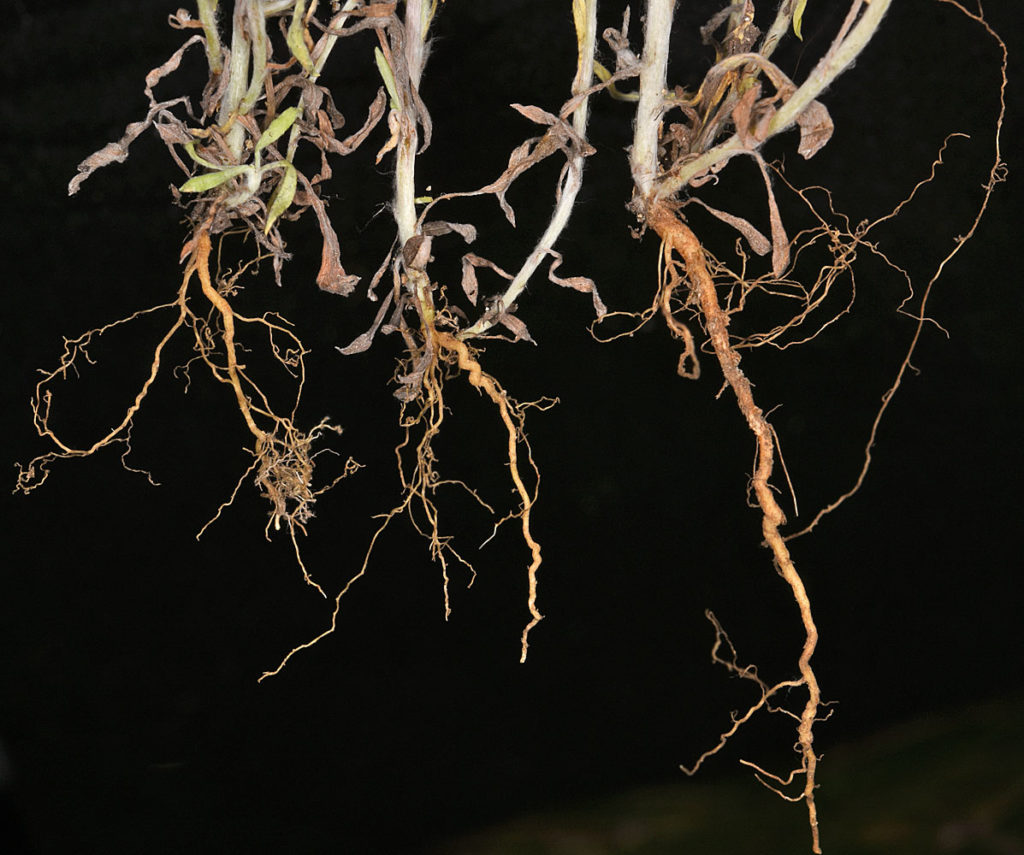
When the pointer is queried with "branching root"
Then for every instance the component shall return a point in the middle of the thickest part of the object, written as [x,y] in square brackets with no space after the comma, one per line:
[283,456]
[685,262]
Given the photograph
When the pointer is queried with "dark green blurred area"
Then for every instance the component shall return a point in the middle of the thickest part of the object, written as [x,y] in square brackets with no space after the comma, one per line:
[950,782]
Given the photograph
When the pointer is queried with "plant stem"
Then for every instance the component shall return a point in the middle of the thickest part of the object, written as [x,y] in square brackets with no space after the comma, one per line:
[414,47]
[208,18]
[238,72]
[337,22]
[838,58]
[643,157]
[587,40]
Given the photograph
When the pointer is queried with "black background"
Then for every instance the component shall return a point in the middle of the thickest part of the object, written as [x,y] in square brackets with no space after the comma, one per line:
[130,709]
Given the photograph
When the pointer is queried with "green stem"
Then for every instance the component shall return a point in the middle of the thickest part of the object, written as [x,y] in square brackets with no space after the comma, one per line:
[257,30]
[208,18]
[238,69]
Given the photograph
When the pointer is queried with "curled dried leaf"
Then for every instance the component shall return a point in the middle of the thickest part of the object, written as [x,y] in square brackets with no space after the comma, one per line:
[467,231]
[416,252]
[410,382]
[470,262]
[332,276]
[758,242]
[515,326]
[816,129]
[157,74]
[577,283]
[374,115]
[117,152]
[780,241]
[363,341]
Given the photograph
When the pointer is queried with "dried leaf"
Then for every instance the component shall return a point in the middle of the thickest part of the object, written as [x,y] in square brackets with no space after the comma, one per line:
[377,10]
[469,281]
[351,143]
[515,326]
[363,341]
[780,242]
[411,382]
[442,227]
[371,292]
[470,285]
[536,114]
[157,74]
[626,62]
[560,131]
[518,162]
[578,283]
[742,114]
[816,129]
[117,152]
[332,276]
[416,252]
[393,126]
[758,242]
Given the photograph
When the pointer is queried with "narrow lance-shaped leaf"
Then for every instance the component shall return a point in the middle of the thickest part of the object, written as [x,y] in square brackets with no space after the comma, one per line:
[282,197]
[277,128]
[297,39]
[190,147]
[388,76]
[209,180]
[798,18]
[604,75]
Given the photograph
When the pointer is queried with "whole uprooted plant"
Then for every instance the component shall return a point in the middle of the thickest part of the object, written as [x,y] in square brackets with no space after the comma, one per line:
[266,97]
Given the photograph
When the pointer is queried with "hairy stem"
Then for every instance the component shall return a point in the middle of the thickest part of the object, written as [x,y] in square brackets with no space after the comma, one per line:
[643,156]
[844,50]
[573,175]
[416,23]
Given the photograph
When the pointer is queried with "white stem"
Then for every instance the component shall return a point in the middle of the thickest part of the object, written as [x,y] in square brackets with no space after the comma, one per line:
[337,22]
[573,175]
[834,63]
[238,83]
[417,21]
[643,157]
[408,135]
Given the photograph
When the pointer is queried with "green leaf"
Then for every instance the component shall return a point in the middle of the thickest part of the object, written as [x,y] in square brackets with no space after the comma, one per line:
[603,74]
[798,18]
[277,128]
[202,183]
[388,76]
[190,147]
[282,197]
[296,39]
